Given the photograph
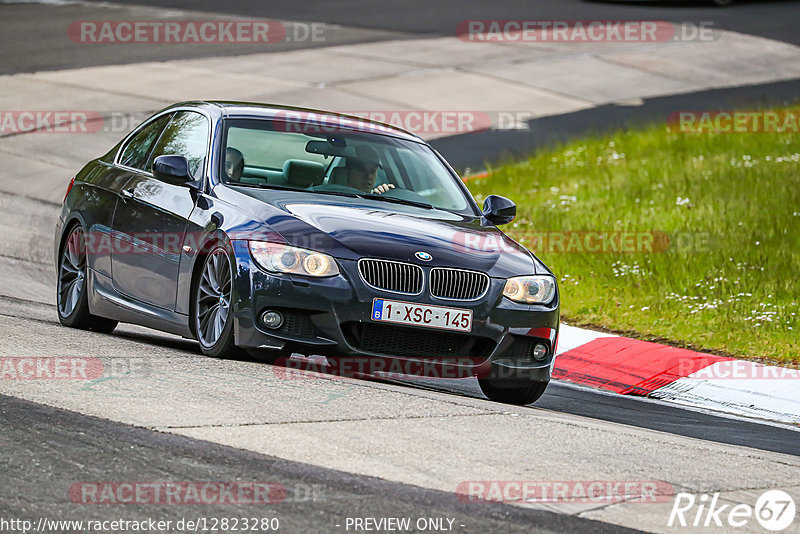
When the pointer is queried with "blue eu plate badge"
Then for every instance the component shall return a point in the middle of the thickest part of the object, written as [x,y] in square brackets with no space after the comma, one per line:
[377,309]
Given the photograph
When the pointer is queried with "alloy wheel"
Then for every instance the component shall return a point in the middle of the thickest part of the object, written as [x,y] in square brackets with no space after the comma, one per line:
[71,272]
[213,297]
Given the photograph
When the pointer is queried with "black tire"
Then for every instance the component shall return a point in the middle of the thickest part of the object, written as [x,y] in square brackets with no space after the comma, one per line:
[72,299]
[212,321]
[527,392]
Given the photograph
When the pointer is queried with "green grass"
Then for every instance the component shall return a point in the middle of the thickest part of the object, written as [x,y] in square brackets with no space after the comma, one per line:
[730,285]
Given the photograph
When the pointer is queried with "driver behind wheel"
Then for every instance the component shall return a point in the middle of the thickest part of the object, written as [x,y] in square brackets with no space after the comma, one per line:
[362,171]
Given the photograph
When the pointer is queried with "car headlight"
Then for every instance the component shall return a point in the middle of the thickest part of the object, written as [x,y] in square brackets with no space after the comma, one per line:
[279,258]
[535,289]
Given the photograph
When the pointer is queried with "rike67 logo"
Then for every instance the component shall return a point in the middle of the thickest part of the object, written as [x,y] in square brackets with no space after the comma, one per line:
[774,510]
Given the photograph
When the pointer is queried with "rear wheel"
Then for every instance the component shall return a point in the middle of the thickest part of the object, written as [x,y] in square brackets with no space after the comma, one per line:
[72,291]
[520,393]
[213,319]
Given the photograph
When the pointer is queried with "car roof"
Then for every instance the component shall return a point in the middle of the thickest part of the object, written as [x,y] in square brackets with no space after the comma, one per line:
[232,109]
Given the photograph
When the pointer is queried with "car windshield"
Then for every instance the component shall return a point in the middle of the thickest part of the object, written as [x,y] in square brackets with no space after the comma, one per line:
[293,156]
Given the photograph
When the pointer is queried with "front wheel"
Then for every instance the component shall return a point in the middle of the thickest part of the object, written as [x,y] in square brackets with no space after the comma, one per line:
[522,393]
[212,315]
[72,290]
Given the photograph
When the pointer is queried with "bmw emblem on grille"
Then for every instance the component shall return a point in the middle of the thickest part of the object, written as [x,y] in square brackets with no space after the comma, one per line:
[424,256]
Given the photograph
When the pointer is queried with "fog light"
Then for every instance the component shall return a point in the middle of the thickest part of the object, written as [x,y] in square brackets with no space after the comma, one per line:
[540,352]
[271,319]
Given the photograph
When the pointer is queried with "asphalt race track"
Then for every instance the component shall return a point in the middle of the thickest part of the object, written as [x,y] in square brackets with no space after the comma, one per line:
[57,440]
[341,447]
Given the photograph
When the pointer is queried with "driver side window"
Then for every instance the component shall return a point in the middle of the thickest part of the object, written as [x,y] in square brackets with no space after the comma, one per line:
[135,153]
[186,135]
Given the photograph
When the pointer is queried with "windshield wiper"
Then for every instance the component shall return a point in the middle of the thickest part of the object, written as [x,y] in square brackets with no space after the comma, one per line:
[282,188]
[257,186]
[397,200]
[337,193]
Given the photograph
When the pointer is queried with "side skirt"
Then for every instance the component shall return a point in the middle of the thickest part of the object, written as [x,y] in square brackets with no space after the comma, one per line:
[105,301]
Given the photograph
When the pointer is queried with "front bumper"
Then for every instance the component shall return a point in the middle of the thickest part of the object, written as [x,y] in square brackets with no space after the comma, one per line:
[332,317]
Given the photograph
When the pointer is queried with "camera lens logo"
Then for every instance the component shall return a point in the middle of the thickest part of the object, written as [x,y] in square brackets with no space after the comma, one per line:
[424,256]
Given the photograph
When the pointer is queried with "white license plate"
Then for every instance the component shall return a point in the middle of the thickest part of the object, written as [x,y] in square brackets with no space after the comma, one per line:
[393,311]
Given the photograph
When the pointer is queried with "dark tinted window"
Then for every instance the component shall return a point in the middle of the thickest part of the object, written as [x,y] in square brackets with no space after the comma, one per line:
[138,148]
[186,135]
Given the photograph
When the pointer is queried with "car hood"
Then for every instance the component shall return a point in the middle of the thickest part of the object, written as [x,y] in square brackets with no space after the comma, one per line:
[357,228]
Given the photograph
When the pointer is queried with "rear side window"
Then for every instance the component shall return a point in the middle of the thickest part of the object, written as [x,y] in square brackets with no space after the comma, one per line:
[135,153]
[186,135]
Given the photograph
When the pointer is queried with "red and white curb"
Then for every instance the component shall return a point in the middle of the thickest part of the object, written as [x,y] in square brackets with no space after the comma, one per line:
[632,367]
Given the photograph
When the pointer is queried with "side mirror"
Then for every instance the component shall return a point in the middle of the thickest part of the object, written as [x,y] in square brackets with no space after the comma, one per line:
[172,169]
[499,210]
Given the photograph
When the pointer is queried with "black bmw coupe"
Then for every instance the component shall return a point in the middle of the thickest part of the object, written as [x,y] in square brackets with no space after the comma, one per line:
[276,230]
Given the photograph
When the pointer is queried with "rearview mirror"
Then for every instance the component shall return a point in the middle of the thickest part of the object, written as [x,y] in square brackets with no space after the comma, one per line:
[172,169]
[499,210]
[332,147]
